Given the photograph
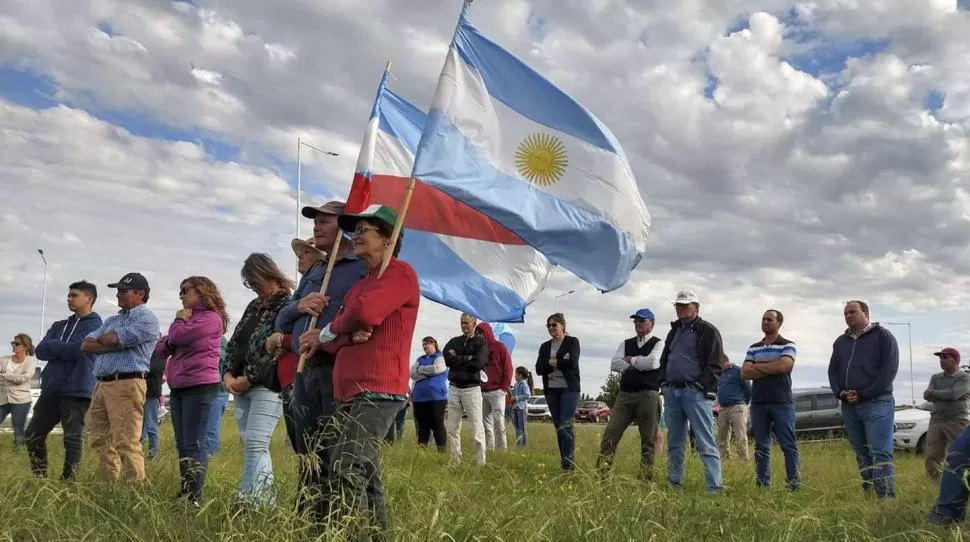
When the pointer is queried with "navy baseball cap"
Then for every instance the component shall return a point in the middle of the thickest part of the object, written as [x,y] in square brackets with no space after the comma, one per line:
[643,314]
[131,281]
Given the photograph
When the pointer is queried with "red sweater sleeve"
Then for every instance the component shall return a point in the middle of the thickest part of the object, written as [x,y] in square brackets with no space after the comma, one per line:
[377,298]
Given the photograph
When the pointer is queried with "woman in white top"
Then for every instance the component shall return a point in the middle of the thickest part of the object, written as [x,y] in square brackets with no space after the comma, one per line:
[16,373]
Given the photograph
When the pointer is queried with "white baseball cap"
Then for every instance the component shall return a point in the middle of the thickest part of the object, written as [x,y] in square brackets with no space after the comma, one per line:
[686,297]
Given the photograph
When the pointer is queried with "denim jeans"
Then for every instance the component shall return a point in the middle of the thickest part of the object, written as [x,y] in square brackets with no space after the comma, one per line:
[361,426]
[562,406]
[190,420]
[869,426]
[519,422]
[683,405]
[257,412]
[951,506]
[214,431]
[777,420]
[149,425]
[18,414]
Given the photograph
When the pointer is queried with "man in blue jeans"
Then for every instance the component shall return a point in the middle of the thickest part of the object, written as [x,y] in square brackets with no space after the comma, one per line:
[864,363]
[951,506]
[690,367]
[769,363]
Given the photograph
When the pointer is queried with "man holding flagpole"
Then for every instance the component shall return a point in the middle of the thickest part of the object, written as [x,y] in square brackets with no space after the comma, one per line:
[313,403]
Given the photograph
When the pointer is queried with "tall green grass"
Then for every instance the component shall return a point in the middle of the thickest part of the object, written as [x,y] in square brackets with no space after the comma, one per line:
[520,495]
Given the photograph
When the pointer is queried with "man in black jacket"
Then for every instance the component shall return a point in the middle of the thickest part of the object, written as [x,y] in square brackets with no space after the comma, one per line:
[466,357]
[153,398]
[690,367]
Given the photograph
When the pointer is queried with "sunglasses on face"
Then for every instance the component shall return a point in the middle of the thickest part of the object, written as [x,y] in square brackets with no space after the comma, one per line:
[15,343]
[638,320]
[185,290]
[359,230]
[552,325]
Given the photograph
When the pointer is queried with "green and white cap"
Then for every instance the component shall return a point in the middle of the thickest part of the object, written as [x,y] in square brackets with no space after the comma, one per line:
[380,213]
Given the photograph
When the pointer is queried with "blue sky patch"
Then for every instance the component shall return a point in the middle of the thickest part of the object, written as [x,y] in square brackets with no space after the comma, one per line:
[535,24]
[933,100]
[107,28]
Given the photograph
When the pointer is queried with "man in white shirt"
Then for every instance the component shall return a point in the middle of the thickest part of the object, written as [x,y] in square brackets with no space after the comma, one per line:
[637,360]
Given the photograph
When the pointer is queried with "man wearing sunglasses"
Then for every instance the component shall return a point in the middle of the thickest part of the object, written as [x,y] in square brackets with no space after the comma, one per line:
[66,384]
[637,361]
[123,347]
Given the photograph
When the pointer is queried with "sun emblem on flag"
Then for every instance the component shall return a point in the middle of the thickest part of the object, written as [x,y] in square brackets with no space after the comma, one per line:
[541,158]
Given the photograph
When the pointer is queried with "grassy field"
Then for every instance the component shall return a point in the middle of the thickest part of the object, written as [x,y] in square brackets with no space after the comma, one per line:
[520,495]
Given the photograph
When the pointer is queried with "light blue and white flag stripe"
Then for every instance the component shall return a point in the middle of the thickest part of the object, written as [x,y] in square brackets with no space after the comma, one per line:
[505,141]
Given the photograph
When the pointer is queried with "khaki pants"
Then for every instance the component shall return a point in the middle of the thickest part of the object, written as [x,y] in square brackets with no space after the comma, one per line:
[114,419]
[468,401]
[939,436]
[642,407]
[732,421]
[493,416]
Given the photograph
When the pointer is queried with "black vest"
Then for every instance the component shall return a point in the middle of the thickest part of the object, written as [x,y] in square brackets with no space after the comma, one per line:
[633,380]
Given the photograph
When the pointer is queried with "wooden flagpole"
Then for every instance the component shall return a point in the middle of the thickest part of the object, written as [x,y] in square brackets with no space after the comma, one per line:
[331,261]
[399,224]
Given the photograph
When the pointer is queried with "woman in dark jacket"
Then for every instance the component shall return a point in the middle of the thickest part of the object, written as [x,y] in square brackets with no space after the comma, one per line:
[251,375]
[558,364]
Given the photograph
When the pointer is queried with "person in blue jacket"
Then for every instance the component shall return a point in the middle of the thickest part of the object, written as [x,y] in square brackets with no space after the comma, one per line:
[430,394]
[67,382]
[865,359]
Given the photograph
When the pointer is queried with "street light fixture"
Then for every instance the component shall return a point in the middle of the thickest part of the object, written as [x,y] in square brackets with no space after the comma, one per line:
[563,295]
[909,334]
[43,303]
[299,183]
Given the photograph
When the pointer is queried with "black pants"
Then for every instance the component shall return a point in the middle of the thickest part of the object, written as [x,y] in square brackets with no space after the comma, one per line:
[49,410]
[429,417]
[288,419]
[397,428]
[312,407]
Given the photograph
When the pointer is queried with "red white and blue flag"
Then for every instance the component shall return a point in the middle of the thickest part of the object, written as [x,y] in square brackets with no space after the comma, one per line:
[464,259]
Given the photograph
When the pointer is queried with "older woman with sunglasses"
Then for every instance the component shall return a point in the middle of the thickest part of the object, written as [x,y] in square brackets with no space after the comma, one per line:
[16,373]
[371,337]
[192,346]
[251,375]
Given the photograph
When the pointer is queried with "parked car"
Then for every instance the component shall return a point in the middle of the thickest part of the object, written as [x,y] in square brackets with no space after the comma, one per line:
[593,411]
[538,409]
[817,412]
[910,427]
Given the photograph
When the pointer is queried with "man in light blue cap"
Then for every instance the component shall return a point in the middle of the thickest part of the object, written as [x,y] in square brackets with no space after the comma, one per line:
[637,360]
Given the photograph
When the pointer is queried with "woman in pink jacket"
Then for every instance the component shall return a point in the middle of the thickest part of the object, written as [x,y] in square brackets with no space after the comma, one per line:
[192,345]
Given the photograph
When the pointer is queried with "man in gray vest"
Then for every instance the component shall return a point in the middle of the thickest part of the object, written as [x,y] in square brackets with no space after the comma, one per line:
[637,360]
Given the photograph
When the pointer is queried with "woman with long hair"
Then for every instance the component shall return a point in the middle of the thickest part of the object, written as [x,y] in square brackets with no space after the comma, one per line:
[430,394]
[371,337]
[251,375]
[558,365]
[16,373]
[192,347]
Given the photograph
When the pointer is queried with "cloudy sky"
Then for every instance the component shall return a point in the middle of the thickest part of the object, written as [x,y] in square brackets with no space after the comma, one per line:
[792,155]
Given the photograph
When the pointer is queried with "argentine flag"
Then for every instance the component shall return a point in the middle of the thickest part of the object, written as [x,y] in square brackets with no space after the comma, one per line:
[464,260]
[507,142]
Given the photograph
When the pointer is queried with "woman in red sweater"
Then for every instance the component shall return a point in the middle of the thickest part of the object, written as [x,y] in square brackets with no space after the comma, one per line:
[371,337]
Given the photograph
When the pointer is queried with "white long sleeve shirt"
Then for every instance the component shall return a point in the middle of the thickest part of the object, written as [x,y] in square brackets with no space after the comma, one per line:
[640,363]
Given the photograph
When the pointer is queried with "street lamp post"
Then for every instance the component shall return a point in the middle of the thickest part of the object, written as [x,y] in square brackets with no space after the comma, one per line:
[909,335]
[43,303]
[299,182]
[563,295]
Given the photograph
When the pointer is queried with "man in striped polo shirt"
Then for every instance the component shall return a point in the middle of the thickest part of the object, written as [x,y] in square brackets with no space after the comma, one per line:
[122,347]
[768,364]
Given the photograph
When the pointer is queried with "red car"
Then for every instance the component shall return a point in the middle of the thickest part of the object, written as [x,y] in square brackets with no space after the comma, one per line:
[593,411]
